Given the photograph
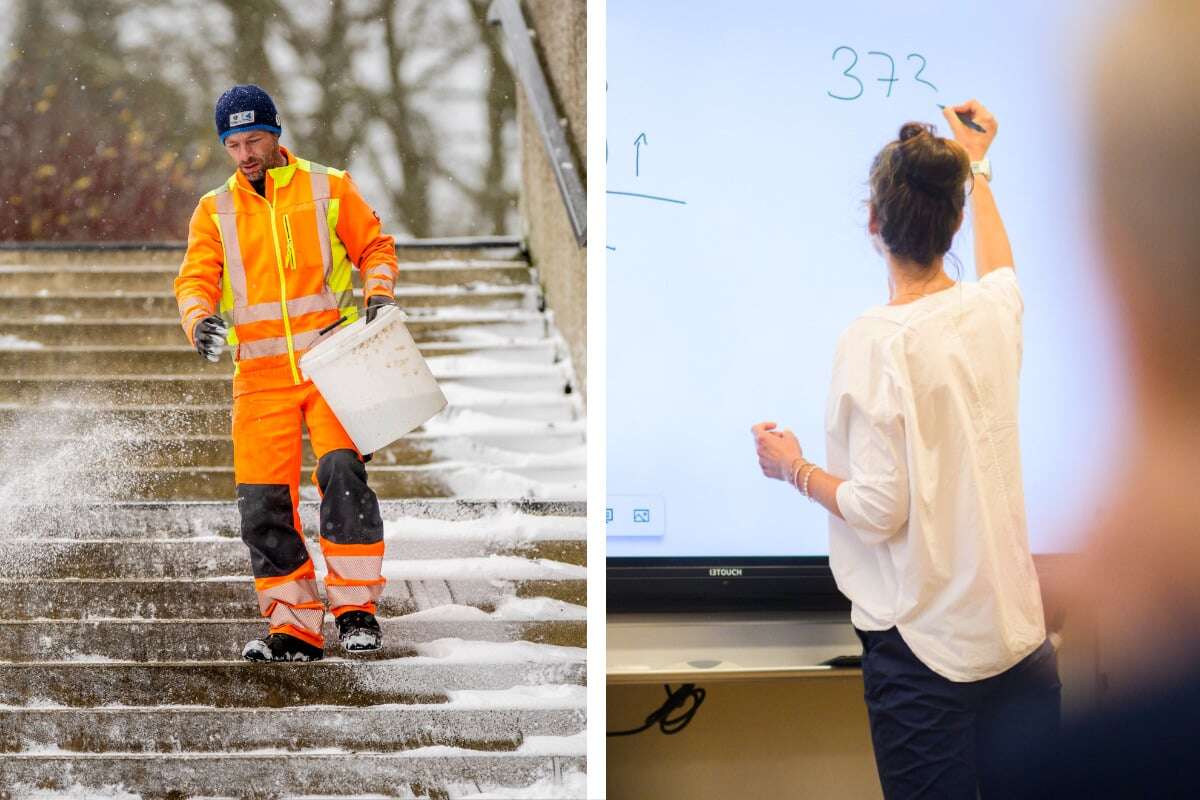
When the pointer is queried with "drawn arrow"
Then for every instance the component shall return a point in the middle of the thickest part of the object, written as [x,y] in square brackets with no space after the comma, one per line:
[637,161]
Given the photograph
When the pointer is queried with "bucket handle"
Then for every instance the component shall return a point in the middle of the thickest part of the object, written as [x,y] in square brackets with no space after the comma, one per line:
[321,333]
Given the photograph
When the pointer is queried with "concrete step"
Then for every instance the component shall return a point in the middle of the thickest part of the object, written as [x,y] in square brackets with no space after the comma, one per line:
[218,557]
[181,359]
[236,684]
[459,248]
[177,519]
[159,302]
[218,639]
[455,248]
[271,776]
[131,677]
[563,477]
[233,598]
[142,277]
[173,403]
[413,449]
[205,730]
[535,412]
[464,327]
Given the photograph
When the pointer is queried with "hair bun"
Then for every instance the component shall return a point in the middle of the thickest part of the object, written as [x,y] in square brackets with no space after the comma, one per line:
[910,129]
[918,189]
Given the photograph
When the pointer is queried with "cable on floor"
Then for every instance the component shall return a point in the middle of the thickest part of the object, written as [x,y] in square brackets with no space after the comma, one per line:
[662,717]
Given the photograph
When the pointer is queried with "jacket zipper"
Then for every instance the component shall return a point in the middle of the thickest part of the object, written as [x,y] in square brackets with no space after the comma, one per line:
[287,323]
[291,248]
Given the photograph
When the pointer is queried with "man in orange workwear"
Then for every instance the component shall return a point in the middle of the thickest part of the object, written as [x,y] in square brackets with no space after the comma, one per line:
[268,267]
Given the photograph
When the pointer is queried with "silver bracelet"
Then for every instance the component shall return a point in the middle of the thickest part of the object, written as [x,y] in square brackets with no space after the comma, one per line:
[797,465]
[804,491]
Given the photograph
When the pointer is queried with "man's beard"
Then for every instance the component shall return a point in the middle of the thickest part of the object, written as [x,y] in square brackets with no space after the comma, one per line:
[259,169]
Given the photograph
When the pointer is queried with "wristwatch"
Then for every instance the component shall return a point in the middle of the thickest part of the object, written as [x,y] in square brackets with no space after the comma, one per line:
[982,167]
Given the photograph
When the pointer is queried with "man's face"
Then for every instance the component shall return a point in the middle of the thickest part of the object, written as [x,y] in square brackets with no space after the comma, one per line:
[253,152]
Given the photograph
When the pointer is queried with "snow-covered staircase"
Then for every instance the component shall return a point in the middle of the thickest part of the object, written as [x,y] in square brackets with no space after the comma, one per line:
[125,593]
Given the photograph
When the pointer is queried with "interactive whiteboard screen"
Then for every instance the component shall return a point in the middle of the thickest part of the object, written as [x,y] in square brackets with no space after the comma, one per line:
[739,141]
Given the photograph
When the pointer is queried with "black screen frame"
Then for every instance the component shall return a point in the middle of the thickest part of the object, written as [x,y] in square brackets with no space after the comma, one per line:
[657,584]
[724,583]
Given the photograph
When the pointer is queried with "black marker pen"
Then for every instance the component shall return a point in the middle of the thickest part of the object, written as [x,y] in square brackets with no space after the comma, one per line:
[965,120]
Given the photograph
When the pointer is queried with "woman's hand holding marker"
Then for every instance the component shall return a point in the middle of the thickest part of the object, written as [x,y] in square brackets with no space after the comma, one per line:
[975,142]
[777,450]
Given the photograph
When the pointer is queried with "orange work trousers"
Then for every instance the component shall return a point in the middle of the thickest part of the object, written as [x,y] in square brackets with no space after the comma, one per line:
[267,452]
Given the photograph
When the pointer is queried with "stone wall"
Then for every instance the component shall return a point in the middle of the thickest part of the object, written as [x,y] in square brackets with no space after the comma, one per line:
[561,45]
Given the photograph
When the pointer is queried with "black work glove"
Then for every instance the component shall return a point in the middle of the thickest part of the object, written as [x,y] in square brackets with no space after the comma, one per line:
[374,302]
[210,334]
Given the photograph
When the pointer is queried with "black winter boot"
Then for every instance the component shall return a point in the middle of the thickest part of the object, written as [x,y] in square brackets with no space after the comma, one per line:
[359,632]
[281,647]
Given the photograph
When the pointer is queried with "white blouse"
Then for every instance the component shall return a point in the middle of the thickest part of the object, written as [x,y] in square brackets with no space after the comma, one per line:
[922,421]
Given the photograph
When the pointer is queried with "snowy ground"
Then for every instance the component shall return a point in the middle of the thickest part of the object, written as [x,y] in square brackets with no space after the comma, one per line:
[571,786]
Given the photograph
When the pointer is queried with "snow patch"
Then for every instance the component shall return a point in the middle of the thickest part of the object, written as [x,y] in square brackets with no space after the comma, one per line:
[499,568]
[461,651]
[11,342]
[515,609]
[569,460]
[443,366]
[508,525]
[86,658]
[464,394]
[450,613]
[468,422]
[538,608]
[573,745]
[483,483]
[53,488]
[75,792]
[522,697]
[39,703]
[572,785]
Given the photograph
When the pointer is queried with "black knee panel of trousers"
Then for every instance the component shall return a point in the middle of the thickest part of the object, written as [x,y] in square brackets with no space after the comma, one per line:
[349,508]
[276,547]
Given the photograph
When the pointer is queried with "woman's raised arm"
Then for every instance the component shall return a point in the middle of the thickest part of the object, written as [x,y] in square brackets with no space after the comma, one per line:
[992,249]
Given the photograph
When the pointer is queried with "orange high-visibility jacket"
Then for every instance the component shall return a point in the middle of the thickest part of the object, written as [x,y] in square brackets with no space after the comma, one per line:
[278,268]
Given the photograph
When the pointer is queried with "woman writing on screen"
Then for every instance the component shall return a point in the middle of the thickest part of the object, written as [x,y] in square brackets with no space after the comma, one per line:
[923,486]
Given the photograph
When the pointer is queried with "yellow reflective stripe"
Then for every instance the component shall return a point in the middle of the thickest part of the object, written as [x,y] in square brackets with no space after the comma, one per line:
[278,345]
[341,279]
[235,268]
[313,166]
[319,178]
[263,312]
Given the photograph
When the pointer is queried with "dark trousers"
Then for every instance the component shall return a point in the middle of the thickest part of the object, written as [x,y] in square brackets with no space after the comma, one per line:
[935,738]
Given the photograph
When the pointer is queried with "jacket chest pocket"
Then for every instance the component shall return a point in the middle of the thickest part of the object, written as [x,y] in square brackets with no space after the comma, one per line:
[304,239]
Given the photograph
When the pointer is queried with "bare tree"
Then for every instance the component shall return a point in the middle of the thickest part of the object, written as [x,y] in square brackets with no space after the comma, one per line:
[106,109]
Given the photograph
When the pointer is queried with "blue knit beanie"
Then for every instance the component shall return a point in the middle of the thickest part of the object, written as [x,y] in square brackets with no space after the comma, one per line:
[246,108]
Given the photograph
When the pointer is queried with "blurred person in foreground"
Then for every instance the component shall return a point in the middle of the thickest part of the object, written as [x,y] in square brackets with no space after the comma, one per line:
[1140,572]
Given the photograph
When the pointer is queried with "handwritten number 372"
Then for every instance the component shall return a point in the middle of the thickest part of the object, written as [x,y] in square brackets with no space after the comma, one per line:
[889,80]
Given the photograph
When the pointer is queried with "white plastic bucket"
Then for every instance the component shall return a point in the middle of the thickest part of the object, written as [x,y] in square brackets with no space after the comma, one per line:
[375,379]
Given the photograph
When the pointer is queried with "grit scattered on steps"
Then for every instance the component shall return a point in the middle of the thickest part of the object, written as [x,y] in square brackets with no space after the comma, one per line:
[125,593]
